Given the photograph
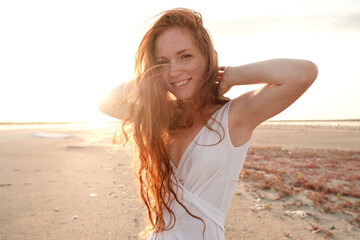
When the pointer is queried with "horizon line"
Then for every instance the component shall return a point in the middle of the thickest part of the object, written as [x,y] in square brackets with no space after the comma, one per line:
[116,121]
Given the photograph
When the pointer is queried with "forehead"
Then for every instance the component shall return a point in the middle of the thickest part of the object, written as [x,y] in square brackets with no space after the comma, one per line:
[172,41]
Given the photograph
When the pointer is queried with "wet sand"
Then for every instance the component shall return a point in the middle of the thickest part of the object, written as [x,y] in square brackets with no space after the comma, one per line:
[77,187]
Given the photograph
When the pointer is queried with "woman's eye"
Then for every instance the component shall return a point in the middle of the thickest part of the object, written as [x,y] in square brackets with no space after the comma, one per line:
[187,56]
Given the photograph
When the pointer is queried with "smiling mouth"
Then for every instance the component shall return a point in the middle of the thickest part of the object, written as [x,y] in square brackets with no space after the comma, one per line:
[181,83]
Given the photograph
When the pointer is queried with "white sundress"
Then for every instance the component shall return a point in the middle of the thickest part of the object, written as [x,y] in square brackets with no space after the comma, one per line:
[207,174]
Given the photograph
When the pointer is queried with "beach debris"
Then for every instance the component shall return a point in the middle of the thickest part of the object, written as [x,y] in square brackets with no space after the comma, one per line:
[260,207]
[56,210]
[136,222]
[273,197]
[326,178]
[74,217]
[355,221]
[316,229]
[287,235]
[74,146]
[351,228]
[260,195]
[120,185]
[113,195]
[108,169]
[92,195]
[299,213]
[5,185]
[51,135]
[296,203]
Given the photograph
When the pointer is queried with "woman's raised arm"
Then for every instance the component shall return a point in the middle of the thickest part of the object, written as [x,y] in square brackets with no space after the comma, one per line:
[114,103]
[286,80]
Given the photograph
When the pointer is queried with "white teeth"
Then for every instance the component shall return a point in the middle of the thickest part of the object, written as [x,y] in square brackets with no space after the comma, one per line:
[179,84]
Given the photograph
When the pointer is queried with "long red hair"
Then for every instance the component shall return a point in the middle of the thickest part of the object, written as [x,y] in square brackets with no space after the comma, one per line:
[154,114]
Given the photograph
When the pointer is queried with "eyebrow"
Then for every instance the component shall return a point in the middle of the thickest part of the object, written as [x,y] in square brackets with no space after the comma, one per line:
[178,53]
[182,51]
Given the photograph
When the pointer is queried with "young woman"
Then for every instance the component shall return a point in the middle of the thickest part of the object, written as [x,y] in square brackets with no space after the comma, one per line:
[192,141]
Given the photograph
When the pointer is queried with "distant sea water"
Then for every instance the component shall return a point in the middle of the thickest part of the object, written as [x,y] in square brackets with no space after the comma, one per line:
[352,124]
[349,124]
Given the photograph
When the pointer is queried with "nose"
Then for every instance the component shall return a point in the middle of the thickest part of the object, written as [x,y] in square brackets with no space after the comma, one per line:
[174,69]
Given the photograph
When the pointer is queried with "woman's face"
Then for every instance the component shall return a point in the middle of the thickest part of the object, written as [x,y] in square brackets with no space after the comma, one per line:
[183,65]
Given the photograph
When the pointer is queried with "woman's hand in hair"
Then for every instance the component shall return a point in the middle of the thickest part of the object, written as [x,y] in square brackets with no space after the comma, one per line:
[224,85]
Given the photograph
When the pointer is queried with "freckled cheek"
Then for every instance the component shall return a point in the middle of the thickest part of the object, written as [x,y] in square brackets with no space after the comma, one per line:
[194,66]
[198,69]
[165,79]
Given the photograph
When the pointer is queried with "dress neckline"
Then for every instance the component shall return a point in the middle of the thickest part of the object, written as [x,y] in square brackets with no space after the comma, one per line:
[192,141]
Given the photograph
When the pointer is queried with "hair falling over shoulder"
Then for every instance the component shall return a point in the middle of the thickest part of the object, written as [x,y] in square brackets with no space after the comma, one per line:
[154,114]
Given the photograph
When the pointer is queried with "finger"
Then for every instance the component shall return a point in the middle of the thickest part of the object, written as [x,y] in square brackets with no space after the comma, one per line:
[221,68]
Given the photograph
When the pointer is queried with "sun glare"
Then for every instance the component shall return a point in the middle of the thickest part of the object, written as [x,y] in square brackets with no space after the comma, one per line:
[57,68]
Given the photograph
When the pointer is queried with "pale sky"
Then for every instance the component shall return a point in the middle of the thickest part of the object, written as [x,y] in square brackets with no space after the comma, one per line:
[58,58]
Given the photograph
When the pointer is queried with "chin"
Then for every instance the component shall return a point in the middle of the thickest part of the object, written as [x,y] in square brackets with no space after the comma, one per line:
[185,96]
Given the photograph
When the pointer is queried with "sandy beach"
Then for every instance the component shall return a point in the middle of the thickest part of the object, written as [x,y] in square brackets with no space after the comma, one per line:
[67,182]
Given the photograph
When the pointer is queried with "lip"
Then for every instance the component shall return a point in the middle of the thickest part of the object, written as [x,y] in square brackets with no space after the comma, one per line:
[182,83]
